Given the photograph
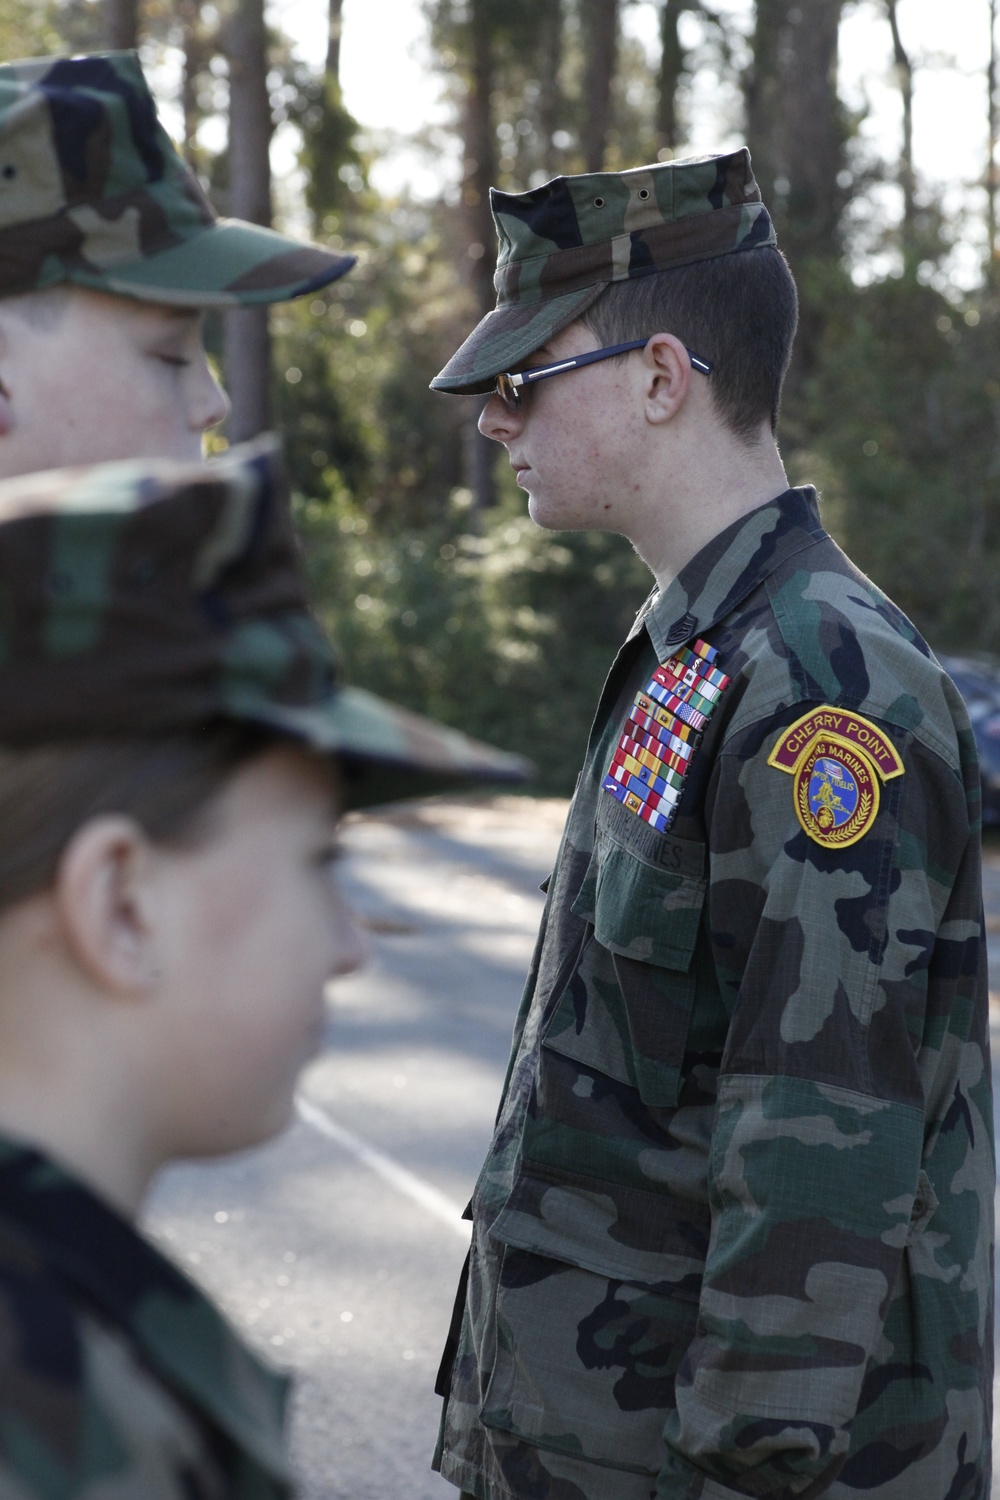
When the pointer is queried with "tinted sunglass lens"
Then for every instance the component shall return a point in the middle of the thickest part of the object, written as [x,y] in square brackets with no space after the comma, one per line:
[508,392]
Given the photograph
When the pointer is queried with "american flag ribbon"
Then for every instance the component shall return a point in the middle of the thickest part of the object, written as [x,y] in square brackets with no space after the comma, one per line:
[655,721]
[661,733]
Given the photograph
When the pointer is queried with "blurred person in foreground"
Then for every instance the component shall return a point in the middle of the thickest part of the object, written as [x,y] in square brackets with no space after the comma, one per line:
[109,254]
[733,1235]
[175,752]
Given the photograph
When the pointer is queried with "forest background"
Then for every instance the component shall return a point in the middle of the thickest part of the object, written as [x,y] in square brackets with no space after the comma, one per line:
[437,588]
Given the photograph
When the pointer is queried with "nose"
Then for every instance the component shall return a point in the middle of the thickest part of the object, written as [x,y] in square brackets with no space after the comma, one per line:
[498,422]
[209,403]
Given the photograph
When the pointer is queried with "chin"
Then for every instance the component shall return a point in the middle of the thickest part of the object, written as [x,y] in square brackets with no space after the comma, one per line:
[551,519]
[543,516]
[229,1134]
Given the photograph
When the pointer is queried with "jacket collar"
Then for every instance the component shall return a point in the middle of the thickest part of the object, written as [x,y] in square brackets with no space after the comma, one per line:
[730,567]
[86,1243]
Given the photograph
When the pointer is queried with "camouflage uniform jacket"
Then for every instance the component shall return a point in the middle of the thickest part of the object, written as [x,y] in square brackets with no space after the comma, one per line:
[733,1235]
[117,1376]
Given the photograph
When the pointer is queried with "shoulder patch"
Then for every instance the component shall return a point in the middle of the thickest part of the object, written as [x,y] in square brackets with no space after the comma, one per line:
[836,760]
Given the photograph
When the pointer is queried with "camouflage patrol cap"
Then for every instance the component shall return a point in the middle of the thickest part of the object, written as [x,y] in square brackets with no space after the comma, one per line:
[561,244]
[155,597]
[92,191]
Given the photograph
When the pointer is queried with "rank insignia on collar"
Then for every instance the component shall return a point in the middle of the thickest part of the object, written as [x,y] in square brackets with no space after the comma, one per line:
[663,729]
[836,760]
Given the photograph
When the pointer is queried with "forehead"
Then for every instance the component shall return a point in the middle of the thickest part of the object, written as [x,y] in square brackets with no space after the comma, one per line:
[104,306]
[575,338]
[67,306]
[288,782]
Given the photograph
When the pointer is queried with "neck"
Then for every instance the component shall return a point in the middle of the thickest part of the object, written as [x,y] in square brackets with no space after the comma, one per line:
[73,1139]
[696,494]
[71,1082]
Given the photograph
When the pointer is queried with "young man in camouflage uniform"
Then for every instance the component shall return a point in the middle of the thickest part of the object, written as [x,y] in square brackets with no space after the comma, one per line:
[733,1235]
[174,748]
[109,252]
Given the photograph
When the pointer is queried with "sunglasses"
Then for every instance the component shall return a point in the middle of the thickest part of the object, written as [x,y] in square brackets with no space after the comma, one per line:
[508,386]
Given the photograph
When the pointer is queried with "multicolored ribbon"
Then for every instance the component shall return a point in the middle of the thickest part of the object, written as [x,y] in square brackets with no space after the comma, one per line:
[661,733]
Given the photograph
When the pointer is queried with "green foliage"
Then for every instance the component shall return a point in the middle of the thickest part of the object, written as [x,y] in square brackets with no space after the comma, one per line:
[353,368]
[487,623]
[28,28]
[903,420]
[477,617]
[502,631]
[335,170]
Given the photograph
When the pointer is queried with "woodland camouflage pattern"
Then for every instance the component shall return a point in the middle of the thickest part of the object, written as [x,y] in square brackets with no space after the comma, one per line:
[147,598]
[117,1377]
[92,191]
[734,1233]
[561,244]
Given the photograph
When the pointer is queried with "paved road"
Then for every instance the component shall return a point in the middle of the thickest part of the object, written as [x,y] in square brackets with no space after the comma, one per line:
[337,1248]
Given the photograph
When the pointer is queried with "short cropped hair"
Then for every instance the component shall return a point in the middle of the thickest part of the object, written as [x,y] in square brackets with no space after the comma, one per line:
[165,782]
[739,311]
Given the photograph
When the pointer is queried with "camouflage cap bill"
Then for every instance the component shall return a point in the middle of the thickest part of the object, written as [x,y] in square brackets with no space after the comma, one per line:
[92,191]
[561,244]
[144,598]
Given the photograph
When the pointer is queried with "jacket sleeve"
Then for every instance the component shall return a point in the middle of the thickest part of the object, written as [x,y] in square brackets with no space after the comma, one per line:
[853,1129]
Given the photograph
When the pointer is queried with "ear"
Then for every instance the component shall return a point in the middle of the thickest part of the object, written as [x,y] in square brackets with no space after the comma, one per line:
[104,898]
[668,377]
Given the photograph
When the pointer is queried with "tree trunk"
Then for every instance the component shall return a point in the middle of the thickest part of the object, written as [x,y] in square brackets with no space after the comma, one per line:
[480,166]
[333,40]
[672,67]
[121,24]
[794,132]
[248,344]
[904,75]
[550,102]
[479,173]
[600,40]
[793,120]
[195,59]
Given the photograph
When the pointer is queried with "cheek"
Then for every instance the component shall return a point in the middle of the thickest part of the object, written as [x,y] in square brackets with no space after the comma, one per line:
[253,997]
[261,930]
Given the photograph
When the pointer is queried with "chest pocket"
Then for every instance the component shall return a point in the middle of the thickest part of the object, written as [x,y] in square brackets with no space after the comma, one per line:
[626,1011]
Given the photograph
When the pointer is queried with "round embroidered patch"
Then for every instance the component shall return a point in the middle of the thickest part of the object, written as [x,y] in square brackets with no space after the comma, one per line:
[836,791]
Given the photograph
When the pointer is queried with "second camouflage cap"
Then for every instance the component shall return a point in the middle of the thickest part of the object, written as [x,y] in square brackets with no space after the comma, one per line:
[561,244]
[149,598]
[92,191]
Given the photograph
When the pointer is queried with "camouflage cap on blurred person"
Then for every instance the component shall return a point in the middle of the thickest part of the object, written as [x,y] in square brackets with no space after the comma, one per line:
[92,191]
[154,597]
[563,243]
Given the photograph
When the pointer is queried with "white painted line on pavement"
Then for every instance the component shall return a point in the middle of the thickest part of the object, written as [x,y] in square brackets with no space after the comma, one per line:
[392,1172]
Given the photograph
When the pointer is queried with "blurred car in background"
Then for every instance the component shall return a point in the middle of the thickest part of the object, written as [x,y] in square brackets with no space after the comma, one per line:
[979,684]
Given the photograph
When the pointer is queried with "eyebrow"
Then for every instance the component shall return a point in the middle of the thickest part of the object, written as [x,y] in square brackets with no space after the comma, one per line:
[178,314]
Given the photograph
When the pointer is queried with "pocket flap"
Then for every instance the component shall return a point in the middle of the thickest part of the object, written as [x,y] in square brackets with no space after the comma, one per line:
[616,1230]
[644,890]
